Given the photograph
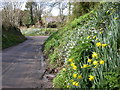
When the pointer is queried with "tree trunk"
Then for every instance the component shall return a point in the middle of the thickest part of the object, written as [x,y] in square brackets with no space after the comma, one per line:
[31,15]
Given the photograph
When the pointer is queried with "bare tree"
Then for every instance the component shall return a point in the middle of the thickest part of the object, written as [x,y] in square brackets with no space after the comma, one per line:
[11,12]
[69,10]
[61,6]
[31,6]
[40,10]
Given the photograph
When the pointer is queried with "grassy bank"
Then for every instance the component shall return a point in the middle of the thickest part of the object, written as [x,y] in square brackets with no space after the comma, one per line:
[86,51]
[11,36]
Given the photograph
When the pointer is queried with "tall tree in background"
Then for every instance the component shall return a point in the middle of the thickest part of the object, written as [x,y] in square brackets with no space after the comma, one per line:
[11,13]
[40,10]
[30,7]
[81,8]
[62,6]
[69,10]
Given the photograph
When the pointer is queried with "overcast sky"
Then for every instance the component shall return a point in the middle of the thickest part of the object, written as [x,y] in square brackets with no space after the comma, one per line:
[54,12]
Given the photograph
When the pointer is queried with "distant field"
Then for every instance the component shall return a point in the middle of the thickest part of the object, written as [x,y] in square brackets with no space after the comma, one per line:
[38,31]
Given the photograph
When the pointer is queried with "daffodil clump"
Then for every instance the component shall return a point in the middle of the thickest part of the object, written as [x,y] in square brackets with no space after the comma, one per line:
[101,44]
[91,78]
[102,62]
[94,55]
[91,37]
[85,66]
[75,83]
[93,63]
[89,60]
[70,60]
[72,64]
[75,77]
[98,44]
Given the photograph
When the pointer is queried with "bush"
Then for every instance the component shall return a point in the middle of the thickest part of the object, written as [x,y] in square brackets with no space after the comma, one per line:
[52,25]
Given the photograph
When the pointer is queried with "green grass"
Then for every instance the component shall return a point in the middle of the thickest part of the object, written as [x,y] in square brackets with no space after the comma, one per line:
[72,42]
[38,31]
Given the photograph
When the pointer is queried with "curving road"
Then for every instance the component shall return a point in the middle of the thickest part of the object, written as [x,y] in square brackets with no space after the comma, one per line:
[23,65]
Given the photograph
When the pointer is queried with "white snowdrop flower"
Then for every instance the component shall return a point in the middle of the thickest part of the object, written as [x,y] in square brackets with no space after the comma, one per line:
[110,33]
[83,42]
[95,31]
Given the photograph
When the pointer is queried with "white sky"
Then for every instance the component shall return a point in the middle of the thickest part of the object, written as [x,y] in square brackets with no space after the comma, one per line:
[54,12]
[23,7]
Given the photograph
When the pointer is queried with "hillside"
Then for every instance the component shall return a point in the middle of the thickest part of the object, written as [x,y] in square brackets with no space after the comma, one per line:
[86,52]
[11,35]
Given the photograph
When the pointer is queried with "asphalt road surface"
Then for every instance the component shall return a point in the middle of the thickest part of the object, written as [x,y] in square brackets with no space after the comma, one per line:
[23,65]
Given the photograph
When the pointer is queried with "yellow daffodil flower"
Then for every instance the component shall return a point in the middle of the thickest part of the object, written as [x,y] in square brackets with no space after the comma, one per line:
[107,11]
[98,44]
[89,60]
[77,84]
[85,66]
[91,78]
[74,67]
[64,69]
[116,18]
[95,55]
[74,75]
[79,77]
[94,37]
[88,37]
[73,83]
[104,45]
[71,80]
[72,64]
[70,60]
[102,61]
[101,28]
[68,86]
[96,66]
[101,32]
[95,62]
